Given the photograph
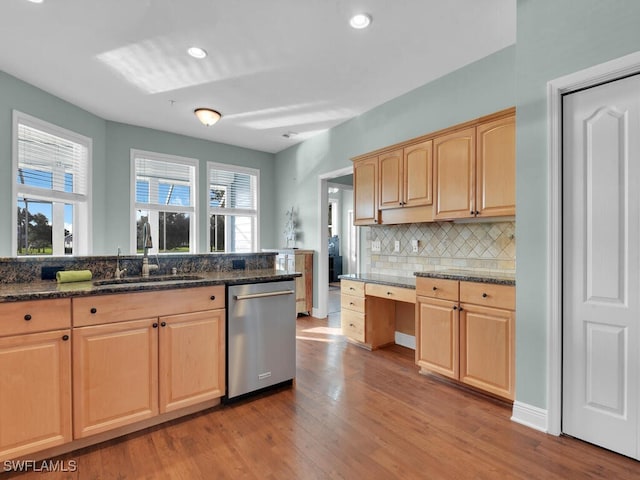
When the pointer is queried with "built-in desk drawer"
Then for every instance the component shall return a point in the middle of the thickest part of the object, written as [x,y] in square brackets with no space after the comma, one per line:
[350,302]
[352,324]
[392,293]
[32,316]
[349,287]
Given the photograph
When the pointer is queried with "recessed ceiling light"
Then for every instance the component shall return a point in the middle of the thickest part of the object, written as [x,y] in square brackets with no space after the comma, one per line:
[197,52]
[361,20]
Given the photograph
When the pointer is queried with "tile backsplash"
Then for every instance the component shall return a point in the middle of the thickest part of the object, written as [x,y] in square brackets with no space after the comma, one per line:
[469,246]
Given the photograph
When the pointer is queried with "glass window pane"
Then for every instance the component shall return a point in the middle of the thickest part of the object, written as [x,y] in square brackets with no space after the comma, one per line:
[68,229]
[174,232]
[142,217]
[217,233]
[34,227]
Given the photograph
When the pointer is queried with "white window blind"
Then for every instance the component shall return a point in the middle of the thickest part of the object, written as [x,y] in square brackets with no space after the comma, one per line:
[233,208]
[163,182]
[232,190]
[50,162]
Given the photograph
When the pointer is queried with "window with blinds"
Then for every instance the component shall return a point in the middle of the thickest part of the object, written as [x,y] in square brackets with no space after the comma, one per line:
[233,208]
[52,167]
[164,197]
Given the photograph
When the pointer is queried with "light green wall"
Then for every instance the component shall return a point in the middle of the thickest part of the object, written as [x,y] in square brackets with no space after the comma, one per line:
[111,165]
[15,94]
[554,38]
[122,138]
[480,88]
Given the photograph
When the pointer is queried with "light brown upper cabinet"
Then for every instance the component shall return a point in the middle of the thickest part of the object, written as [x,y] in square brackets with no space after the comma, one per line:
[474,171]
[496,167]
[405,176]
[365,186]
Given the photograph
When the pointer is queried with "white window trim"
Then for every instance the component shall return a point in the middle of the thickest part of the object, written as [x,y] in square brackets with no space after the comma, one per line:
[193,224]
[82,216]
[233,211]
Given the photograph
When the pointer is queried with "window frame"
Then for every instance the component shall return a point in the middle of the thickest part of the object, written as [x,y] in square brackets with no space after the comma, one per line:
[233,211]
[135,206]
[82,203]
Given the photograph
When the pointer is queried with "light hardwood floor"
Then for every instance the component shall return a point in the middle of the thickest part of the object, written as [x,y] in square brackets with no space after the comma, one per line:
[351,414]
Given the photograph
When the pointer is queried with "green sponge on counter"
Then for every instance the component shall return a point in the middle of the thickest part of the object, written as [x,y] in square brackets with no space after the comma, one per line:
[67,276]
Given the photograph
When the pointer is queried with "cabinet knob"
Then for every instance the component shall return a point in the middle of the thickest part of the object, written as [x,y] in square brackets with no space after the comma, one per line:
[484,295]
[351,325]
[351,303]
[455,307]
[65,337]
[94,310]
[471,212]
[212,297]
[477,212]
[435,288]
[27,317]
[155,325]
[163,324]
[389,293]
[461,309]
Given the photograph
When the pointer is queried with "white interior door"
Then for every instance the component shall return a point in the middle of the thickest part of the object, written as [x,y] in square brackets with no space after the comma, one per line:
[601,271]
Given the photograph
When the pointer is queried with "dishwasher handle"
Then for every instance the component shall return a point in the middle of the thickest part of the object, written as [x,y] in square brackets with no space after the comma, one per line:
[265,294]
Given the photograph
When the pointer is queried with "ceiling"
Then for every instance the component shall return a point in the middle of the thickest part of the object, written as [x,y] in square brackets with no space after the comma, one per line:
[274,66]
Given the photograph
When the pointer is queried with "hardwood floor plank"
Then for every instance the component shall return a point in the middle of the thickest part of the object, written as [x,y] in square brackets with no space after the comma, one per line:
[350,414]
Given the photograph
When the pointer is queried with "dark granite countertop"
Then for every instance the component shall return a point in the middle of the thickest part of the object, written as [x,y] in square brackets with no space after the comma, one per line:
[498,278]
[393,281]
[51,289]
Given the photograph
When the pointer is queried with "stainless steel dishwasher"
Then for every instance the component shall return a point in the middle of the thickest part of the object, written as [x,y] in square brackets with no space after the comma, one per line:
[261,336]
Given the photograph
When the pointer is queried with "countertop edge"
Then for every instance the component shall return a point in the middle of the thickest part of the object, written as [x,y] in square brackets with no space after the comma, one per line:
[54,290]
[467,277]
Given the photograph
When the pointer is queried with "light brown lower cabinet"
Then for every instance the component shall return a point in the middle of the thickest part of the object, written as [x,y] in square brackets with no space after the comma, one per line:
[466,331]
[126,371]
[35,395]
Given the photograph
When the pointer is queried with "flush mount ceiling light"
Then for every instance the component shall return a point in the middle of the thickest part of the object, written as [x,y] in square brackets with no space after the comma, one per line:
[360,21]
[207,116]
[197,52]
[36,1]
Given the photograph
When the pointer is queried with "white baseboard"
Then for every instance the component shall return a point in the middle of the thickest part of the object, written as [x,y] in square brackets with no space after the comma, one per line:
[530,416]
[405,340]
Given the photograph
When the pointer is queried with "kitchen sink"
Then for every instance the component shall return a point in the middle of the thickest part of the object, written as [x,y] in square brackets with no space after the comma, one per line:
[154,278]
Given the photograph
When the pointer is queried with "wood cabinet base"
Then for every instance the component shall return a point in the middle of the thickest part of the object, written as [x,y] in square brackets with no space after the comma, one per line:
[119,432]
[464,386]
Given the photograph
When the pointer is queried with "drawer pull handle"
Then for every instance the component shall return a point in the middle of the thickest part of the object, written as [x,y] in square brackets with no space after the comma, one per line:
[94,310]
[435,288]
[484,295]
[163,324]
[27,317]
[155,325]
[65,337]
[212,297]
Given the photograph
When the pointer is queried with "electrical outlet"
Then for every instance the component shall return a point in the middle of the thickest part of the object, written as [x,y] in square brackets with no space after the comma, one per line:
[375,246]
[396,246]
[414,246]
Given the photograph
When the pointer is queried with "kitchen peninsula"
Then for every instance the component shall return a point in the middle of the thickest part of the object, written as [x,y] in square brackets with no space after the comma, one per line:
[93,360]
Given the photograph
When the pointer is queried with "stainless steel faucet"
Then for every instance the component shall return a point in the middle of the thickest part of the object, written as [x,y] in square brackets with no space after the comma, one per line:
[119,272]
[146,245]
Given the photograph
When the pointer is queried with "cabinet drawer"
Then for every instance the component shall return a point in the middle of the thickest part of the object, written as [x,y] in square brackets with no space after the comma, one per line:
[349,302]
[393,293]
[34,316]
[437,288]
[352,288]
[352,325]
[488,294]
[131,306]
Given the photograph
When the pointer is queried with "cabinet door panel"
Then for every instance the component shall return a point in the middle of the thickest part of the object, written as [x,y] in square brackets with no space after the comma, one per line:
[486,349]
[437,336]
[418,169]
[454,173]
[496,168]
[192,359]
[35,399]
[390,170]
[365,194]
[115,370]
